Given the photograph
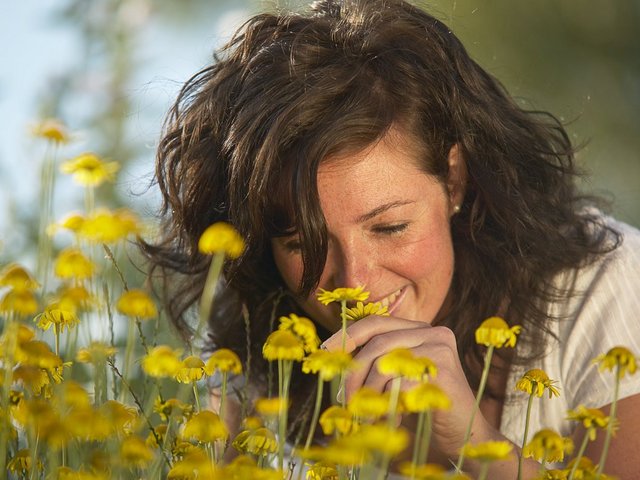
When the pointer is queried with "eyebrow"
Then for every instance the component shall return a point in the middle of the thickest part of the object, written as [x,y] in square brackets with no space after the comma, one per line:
[381,209]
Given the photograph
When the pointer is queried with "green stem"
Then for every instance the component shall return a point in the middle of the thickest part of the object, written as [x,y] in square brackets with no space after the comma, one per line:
[610,426]
[484,469]
[393,402]
[426,438]
[476,406]
[526,434]
[316,413]
[223,394]
[583,447]
[417,443]
[209,291]
[128,353]
[196,396]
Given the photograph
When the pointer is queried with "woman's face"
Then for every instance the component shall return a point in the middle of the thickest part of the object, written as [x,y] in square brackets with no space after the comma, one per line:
[388,230]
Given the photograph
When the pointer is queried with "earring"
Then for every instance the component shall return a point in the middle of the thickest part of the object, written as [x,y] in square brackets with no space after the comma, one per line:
[456,209]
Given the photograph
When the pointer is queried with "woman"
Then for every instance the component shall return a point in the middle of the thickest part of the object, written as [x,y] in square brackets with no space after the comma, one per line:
[359,144]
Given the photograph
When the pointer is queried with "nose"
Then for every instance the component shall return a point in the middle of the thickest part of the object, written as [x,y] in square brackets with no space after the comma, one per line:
[349,262]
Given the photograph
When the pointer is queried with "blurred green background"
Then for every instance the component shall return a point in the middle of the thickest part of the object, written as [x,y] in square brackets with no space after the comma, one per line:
[111,68]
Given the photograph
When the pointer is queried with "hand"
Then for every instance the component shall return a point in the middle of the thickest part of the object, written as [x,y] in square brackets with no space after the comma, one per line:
[374,336]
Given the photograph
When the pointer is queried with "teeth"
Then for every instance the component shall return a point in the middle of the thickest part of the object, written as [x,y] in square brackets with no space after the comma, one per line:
[386,301]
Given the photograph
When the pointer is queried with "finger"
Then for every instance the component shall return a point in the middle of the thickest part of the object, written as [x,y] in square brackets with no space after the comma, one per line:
[362,331]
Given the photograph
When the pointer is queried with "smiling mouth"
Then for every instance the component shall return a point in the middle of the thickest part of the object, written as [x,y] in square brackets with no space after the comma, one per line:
[391,301]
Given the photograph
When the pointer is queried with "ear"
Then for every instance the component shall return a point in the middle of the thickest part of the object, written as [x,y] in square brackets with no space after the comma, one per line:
[456,179]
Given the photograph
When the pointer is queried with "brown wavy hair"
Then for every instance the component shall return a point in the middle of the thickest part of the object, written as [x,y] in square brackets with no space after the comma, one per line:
[244,140]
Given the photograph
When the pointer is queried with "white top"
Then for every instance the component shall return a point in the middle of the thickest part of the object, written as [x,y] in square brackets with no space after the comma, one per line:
[603,315]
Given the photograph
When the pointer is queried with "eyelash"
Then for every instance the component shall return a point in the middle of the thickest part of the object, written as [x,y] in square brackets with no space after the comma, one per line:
[391,229]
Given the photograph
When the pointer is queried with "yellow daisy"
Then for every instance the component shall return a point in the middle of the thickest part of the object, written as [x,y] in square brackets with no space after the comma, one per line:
[488,451]
[425,396]
[269,407]
[535,381]
[162,361]
[401,362]
[51,129]
[369,403]
[328,364]
[322,471]
[72,263]
[21,302]
[428,471]
[96,353]
[337,419]
[58,317]
[342,294]
[205,427]
[221,238]
[223,360]
[303,328]
[362,310]
[17,277]
[90,170]
[259,441]
[380,438]
[548,446]
[495,332]
[137,303]
[134,452]
[191,370]
[283,345]
[591,419]
[618,357]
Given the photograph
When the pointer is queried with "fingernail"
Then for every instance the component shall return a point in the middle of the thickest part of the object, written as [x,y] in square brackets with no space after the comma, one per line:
[334,343]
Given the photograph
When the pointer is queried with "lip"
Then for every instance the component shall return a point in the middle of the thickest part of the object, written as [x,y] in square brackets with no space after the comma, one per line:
[393,299]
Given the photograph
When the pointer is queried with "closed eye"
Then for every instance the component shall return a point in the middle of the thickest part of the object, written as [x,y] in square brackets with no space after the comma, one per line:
[390,229]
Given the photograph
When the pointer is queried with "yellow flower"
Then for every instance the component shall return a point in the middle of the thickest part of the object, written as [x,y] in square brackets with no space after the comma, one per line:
[157,440]
[535,381]
[205,427]
[74,298]
[591,418]
[137,303]
[221,238]
[425,396]
[135,452]
[172,408]
[21,463]
[337,419]
[104,226]
[303,328]
[96,353]
[90,170]
[86,423]
[191,370]
[17,278]
[260,441]
[223,360]
[380,438]
[322,471]
[251,423]
[400,362]
[586,469]
[548,446]
[429,471]
[369,403]
[328,364]
[72,222]
[244,467]
[195,464]
[495,332]
[37,354]
[162,361]
[338,452]
[361,311]
[72,263]
[121,417]
[488,451]
[21,302]
[33,378]
[66,473]
[269,407]
[58,317]
[342,294]
[51,129]
[283,345]
[617,357]
[72,394]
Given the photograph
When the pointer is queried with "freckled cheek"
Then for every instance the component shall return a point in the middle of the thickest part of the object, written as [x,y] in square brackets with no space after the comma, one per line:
[290,269]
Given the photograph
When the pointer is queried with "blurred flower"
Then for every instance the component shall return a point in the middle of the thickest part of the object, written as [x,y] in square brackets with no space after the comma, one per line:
[205,426]
[75,298]
[338,452]
[72,263]
[425,396]
[244,467]
[591,419]
[66,473]
[361,311]
[137,303]
[195,464]
[328,364]
[51,129]
[221,238]
[72,394]
[283,345]
[584,470]
[322,471]
[72,222]
[191,370]
[89,424]
[17,278]
[172,407]
[368,403]
[342,294]
[58,317]
[134,452]
[488,451]
[38,354]
[401,362]
[96,353]
[303,328]
[428,471]
[379,438]
[162,361]
[260,441]
[104,226]
[34,379]
[535,381]
[20,302]
[157,440]
[548,446]
[617,357]
[122,418]
[20,463]
[269,407]
[90,170]
[223,360]
[495,332]
[337,419]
